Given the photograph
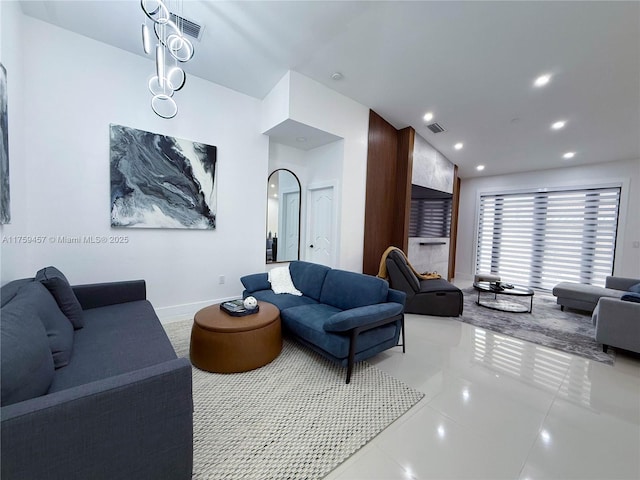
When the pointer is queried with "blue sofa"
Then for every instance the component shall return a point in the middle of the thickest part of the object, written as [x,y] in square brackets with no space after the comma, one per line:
[91,386]
[345,316]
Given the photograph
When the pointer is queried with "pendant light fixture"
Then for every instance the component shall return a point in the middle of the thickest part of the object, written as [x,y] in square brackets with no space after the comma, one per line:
[172,40]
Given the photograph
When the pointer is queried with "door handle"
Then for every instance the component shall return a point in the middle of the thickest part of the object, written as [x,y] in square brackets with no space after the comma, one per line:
[310,246]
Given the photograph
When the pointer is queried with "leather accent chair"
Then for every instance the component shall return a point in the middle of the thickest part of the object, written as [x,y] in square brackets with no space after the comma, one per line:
[426,297]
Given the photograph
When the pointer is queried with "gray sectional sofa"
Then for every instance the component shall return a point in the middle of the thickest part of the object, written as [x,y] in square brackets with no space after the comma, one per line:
[615,309]
[91,386]
[345,316]
[585,297]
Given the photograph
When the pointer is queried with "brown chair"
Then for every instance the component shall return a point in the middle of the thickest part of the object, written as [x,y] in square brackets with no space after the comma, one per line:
[426,297]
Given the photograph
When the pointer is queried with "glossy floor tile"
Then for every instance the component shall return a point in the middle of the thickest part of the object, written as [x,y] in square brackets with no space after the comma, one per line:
[497,407]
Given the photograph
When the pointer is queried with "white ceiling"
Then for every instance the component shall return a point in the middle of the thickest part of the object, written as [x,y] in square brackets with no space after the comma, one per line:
[471,63]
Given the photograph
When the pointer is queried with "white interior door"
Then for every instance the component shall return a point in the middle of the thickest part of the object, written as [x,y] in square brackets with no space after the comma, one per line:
[290,227]
[321,223]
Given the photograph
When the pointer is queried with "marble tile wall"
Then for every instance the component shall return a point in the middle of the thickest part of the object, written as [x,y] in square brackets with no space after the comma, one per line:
[430,168]
[429,258]
[433,170]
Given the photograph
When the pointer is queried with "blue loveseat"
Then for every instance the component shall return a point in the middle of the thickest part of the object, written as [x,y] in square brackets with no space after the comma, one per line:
[345,316]
[91,386]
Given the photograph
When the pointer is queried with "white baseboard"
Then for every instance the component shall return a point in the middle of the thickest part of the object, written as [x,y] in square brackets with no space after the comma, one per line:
[176,313]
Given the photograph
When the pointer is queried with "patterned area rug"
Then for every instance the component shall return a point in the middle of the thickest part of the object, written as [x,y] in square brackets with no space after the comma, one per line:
[570,331]
[294,418]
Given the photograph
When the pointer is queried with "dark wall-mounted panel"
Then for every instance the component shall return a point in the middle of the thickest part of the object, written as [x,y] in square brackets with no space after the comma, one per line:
[400,236]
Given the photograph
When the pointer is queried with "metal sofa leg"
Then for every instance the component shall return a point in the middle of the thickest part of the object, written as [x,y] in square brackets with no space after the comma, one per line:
[352,353]
[353,335]
[605,348]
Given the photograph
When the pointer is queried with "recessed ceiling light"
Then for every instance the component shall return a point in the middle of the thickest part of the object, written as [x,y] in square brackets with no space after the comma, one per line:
[337,76]
[458,145]
[301,139]
[428,116]
[273,185]
[558,125]
[569,155]
[542,80]
[480,168]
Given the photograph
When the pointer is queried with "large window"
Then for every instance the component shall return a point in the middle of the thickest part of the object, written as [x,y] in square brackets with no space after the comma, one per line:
[543,238]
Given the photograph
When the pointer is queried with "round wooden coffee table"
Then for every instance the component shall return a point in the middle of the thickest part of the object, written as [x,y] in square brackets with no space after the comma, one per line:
[222,343]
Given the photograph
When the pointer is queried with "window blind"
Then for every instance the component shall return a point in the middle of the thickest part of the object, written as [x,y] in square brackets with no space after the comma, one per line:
[430,217]
[543,238]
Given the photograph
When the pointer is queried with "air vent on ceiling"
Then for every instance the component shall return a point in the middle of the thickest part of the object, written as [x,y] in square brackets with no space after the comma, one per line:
[187,26]
[435,128]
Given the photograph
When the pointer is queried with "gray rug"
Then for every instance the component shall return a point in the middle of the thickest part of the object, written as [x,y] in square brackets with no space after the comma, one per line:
[570,331]
[294,418]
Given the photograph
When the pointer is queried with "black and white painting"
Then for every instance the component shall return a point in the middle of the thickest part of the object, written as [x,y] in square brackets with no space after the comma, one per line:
[5,198]
[159,181]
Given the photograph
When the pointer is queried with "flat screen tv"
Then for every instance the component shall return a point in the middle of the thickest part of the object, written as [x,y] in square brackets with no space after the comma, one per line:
[430,213]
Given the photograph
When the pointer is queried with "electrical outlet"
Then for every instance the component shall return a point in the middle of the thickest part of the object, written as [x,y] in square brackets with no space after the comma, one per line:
[221,280]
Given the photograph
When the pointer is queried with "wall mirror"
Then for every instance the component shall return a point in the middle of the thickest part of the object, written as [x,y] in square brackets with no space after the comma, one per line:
[283,216]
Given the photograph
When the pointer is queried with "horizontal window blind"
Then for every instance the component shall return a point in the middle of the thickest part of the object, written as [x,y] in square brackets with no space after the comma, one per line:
[543,238]
[430,217]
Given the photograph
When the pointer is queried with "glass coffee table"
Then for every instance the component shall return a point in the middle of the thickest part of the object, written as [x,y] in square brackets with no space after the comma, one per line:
[498,291]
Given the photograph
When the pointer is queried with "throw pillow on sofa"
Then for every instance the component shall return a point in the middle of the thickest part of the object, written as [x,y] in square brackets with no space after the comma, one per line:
[631,297]
[635,288]
[42,305]
[26,360]
[58,285]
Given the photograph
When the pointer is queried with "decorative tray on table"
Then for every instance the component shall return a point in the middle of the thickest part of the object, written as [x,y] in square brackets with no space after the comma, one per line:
[236,308]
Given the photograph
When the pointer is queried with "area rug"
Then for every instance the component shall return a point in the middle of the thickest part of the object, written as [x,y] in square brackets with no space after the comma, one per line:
[570,331]
[294,418]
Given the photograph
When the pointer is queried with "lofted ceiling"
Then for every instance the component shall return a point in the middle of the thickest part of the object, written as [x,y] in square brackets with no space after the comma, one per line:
[472,64]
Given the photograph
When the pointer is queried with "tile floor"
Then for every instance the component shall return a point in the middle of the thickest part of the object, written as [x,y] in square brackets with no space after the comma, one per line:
[496,407]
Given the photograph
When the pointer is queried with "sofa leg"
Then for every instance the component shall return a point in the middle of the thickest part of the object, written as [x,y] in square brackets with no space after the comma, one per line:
[605,348]
[562,308]
[353,336]
[352,354]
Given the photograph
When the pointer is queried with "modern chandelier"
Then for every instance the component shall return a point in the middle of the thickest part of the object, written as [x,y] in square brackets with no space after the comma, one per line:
[169,77]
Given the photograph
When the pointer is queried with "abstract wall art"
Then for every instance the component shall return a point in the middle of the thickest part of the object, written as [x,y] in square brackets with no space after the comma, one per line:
[159,181]
[5,198]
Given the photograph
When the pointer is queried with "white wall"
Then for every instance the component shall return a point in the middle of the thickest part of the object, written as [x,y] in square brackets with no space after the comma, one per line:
[75,88]
[314,104]
[627,261]
[318,166]
[275,106]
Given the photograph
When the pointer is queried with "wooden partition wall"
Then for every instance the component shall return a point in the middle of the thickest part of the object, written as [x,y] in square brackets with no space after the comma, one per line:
[453,239]
[380,193]
[388,196]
